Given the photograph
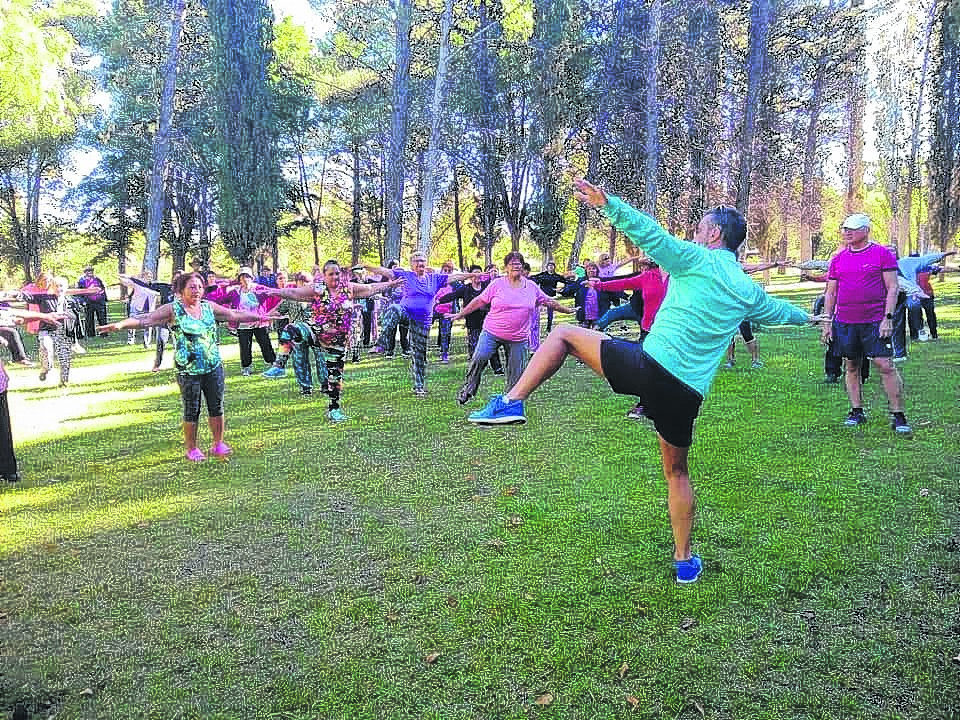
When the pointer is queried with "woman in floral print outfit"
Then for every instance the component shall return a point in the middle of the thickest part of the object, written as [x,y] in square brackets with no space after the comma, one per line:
[329,330]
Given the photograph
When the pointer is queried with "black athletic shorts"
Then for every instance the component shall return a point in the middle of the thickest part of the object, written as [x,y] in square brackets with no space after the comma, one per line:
[856,340]
[746,331]
[671,405]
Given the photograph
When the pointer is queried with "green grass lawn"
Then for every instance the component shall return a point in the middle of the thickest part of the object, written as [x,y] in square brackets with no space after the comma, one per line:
[405,564]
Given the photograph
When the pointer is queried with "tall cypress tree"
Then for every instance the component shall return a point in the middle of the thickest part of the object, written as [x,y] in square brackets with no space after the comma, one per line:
[248,170]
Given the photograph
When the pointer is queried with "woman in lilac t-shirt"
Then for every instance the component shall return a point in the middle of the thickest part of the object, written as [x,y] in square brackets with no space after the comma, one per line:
[416,304]
[512,300]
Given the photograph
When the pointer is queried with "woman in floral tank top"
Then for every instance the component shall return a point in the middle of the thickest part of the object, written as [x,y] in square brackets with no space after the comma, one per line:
[193,324]
[327,332]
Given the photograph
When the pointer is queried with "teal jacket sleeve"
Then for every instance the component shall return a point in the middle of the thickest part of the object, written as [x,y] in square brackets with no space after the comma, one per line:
[773,311]
[674,256]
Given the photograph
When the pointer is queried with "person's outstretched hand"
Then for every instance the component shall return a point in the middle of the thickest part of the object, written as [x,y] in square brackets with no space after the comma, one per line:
[589,194]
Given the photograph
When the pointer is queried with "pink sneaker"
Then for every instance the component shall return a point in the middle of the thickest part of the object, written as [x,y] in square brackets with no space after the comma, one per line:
[196,456]
[221,450]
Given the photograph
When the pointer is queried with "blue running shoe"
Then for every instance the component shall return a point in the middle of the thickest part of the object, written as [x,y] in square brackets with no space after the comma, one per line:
[336,415]
[688,571]
[275,372]
[498,412]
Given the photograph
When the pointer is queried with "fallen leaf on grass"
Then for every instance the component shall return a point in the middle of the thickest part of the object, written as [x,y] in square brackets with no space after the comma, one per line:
[515,521]
[87,691]
[544,700]
[393,616]
[687,623]
[510,491]
[453,602]
[924,492]
[633,701]
[470,477]
[143,524]
[477,498]
[623,671]
[431,658]
[496,543]
[700,709]
[528,597]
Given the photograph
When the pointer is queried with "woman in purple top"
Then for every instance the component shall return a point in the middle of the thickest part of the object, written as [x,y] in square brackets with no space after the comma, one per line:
[416,304]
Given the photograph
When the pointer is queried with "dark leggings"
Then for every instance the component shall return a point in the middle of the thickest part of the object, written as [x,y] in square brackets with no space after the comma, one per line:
[209,385]
[11,338]
[8,461]
[246,336]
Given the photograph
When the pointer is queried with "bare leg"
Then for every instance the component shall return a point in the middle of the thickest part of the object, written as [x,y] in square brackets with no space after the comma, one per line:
[731,352]
[216,429]
[190,435]
[754,349]
[564,340]
[892,384]
[679,496]
[852,380]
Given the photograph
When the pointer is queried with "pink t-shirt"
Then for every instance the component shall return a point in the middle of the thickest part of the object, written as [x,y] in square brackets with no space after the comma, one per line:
[511,308]
[861,294]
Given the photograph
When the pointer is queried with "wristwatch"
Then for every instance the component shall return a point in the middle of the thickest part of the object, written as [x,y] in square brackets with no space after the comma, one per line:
[889,316]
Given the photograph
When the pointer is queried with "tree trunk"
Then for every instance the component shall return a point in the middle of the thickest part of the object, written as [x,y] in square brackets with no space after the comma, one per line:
[456,216]
[761,17]
[856,110]
[809,195]
[355,222]
[703,48]
[652,111]
[583,215]
[398,128]
[913,172]
[161,141]
[433,144]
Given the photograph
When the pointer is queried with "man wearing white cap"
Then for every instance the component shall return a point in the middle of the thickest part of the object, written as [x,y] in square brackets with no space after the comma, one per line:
[861,298]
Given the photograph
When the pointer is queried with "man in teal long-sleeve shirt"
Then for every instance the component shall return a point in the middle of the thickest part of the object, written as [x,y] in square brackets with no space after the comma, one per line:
[708,297]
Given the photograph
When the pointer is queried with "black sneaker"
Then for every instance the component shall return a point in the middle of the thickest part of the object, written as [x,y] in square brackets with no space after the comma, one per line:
[855,417]
[899,424]
[498,372]
[306,392]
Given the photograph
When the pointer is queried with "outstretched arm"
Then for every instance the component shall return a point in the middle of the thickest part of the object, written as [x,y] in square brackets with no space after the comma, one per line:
[365,290]
[381,271]
[472,306]
[240,316]
[551,303]
[161,316]
[299,293]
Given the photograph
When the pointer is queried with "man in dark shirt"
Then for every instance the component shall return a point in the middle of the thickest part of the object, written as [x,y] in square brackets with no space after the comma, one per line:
[95,304]
[548,280]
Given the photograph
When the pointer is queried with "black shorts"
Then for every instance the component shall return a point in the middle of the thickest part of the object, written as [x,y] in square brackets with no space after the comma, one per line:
[746,331]
[856,340]
[671,405]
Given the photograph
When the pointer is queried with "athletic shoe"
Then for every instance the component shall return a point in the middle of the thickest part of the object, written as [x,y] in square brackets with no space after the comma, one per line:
[728,365]
[79,349]
[463,399]
[377,350]
[445,359]
[15,477]
[246,372]
[924,335]
[636,412]
[336,415]
[688,571]
[405,355]
[499,412]
[499,372]
[899,424]
[196,456]
[420,392]
[306,391]
[221,450]
[27,362]
[275,372]
[855,417]
[756,364]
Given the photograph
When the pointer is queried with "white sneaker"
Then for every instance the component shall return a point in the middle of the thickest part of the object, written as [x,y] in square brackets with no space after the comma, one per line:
[924,336]
[79,349]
